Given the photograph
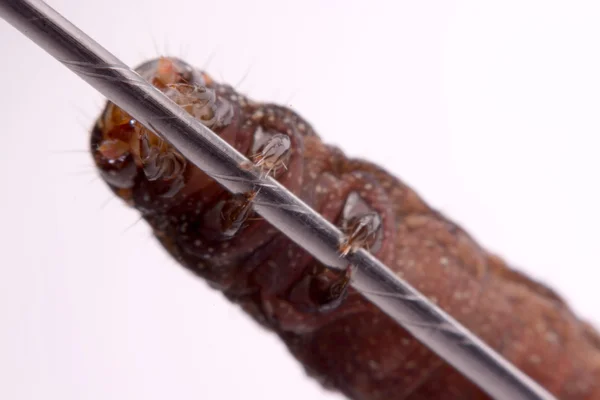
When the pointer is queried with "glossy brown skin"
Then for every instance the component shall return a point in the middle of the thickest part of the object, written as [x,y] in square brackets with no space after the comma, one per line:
[343,340]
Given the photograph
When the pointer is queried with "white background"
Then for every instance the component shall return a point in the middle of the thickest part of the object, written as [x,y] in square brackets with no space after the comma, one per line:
[489,109]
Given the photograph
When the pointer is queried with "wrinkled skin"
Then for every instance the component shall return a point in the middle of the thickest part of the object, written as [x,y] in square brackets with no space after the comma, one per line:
[340,338]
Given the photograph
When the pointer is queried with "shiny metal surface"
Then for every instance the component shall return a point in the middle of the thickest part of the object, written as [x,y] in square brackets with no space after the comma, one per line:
[128,90]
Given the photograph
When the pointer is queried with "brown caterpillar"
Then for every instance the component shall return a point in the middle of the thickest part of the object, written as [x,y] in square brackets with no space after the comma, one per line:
[340,338]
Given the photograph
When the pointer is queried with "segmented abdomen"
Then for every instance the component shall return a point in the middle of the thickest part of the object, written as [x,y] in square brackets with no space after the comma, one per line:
[340,338]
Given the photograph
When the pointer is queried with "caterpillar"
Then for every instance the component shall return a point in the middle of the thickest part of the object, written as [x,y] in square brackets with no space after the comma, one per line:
[340,338]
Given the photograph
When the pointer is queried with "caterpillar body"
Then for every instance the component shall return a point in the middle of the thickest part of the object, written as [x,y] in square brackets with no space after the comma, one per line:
[339,337]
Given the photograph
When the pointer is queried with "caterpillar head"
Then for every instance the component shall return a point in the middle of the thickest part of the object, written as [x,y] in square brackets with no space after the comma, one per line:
[129,155]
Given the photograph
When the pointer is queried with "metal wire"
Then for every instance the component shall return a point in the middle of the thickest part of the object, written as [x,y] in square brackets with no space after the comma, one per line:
[282,209]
